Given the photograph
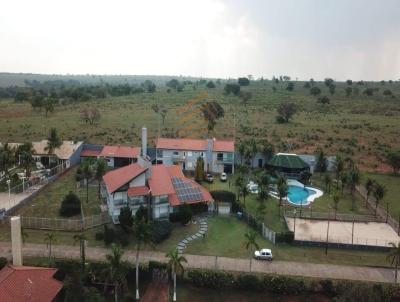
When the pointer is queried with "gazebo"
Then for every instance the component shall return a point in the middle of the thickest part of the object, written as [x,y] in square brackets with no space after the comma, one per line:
[291,165]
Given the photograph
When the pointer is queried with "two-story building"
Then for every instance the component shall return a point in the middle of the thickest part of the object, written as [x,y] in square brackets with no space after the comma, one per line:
[163,188]
[119,156]
[218,155]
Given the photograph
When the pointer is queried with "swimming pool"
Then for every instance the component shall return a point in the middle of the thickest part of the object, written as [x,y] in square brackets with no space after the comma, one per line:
[300,195]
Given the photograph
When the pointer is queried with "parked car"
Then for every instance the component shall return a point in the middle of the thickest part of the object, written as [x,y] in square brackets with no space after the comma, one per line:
[264,254]
[252,187]
[223,177]
[209,178]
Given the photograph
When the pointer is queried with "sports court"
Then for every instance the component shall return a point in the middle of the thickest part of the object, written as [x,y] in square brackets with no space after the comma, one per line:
[364,233]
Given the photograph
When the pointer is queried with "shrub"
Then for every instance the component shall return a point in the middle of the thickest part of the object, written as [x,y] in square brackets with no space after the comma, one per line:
[142,213]
[284,285]
[285,237]
[125,218]
[99,236]
[185,214]
[211,279]
[249,282]
[175,217]
[280,119]
[3,262]
[223,196]
[161,230]
[71,205]
[157,265]
[109,235]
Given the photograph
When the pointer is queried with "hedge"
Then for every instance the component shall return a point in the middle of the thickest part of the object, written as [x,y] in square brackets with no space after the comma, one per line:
[223,196]
[160,230]
[284,237]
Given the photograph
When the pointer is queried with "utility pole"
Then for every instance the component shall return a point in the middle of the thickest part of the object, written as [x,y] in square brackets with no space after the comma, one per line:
[294,224]
[352,232]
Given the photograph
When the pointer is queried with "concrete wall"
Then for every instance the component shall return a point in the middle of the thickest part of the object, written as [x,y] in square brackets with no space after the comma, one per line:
[76,156]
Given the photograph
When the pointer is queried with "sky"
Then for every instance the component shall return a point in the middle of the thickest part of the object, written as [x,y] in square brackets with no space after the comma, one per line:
[341,39]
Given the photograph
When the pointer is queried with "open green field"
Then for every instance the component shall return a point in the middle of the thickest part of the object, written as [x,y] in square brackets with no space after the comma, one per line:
[48,202]
[361,126]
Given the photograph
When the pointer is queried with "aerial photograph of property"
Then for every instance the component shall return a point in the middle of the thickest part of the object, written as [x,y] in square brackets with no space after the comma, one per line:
[200,151]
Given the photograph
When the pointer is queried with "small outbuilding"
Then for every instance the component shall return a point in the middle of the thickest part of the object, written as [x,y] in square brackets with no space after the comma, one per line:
[291,165]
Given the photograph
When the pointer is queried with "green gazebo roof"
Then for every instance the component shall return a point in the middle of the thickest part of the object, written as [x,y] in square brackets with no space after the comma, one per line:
[289,161]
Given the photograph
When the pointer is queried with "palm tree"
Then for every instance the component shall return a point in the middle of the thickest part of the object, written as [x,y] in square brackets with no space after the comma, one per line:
[336,199]
[239,181]
[142,233]
[101,167]
[25,153]
[394,257]
[87,174]
[262,193]
[338,164]
[241,150]
[245,191]
[268,150]
[260,212]
[328,182]
[320,165]
[343,180]
[379,192]
[115,271]
[253,150]
[369,185]
[250,241]
[49,239]
[283,190]
[7,157]
[53,141]
[81,239]
[175,264]
[353,180]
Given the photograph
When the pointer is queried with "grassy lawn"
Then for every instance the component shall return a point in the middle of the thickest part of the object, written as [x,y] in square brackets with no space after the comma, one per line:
[225,237]
[48,202]
[392,197]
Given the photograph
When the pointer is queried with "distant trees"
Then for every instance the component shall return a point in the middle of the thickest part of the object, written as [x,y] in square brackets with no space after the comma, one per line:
[315,91]
[285,112]
[90,115]
[387,92]
[175,84]
[349,82]
[243,81]
[328,82]
[48,105]
[348,91]
[369,91]
[245,96]
[290,86]
[232,88]
[212,111]
[149,86]
[323,100]
[393,159]
[210,84]
[161,110]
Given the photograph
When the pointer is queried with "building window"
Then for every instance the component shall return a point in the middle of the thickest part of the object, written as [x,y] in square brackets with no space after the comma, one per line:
[220,156]
[175,153]
[189,153]
[189,165]
[159,153]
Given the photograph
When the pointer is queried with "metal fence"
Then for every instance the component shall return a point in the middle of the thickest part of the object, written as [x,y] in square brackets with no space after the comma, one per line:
[61,224]
[264,231]
[309,214]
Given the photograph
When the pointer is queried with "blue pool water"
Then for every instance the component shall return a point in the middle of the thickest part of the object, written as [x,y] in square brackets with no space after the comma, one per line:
[299,195]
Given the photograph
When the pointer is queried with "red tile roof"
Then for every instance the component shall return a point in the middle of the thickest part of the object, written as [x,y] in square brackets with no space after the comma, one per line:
[119,177]
[194,144]
[138,191]
[224,146]
[90,153]
[182,144]
[24,283]
[120,151]
[160,181]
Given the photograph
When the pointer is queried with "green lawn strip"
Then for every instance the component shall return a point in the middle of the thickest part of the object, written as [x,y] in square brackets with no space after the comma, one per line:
[392,197]
[225,237]
[48,202]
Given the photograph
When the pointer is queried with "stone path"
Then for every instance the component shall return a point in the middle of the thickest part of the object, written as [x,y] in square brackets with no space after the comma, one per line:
[332,271]
[202,221]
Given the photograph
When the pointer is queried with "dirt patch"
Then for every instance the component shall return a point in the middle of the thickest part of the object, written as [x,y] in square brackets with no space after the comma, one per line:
[156,293]
[13,114]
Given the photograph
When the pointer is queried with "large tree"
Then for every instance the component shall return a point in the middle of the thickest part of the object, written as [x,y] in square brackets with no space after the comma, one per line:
[379,193]
[81,238]
[87,174]
[353,181]
[115,270]
[7,157]
[250,242]
[100,170]
[53,141]
[212,111]
[25,154]
[321,161]
[286,111]
[393,159]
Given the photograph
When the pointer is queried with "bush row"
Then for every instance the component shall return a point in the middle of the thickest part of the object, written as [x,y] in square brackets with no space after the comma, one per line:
[223,196]
[342,290]
[284,237]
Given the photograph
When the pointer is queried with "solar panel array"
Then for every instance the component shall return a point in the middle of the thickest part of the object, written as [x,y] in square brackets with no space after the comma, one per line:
[186,191]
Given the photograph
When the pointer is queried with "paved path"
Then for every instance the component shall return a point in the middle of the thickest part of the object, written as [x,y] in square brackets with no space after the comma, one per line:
[202,222]
[221,263]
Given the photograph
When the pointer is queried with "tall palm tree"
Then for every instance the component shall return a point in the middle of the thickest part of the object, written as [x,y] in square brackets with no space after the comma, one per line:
[53,141]
[394,257]
[343,180]
[142,234]
[81,239]
[239,181]
[101,168]
[283,190]
[25,152]
[353,181]
[7,157]
[49,239]
[253,150]
[379,192]
[369,186]
[262,193]
[116,272]
[336,199]
[320,158]
[242,150]
[268,150]
[328,182]
[175,264]
[87,174]
[250,241]
[245,191]
[338,166]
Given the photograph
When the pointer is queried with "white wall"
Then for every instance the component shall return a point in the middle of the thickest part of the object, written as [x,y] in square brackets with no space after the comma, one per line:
[138,181]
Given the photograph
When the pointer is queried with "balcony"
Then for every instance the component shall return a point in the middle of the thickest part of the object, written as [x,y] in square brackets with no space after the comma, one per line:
[178,157]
